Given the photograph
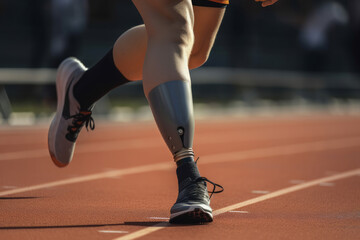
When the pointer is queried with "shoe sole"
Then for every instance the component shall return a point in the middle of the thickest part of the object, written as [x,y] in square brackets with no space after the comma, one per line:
[61,87]
[195,215]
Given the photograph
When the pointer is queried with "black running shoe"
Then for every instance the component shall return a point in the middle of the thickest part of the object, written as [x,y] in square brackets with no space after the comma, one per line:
[193,203]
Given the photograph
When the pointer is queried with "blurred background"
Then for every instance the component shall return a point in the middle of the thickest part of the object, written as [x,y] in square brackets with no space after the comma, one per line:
[295,55]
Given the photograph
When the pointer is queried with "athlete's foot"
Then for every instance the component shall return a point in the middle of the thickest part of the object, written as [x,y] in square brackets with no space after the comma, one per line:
[193,203]
[69,117]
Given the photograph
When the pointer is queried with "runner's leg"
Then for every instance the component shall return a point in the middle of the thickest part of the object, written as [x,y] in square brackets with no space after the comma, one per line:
[130,47]
[166,80]
[125,61]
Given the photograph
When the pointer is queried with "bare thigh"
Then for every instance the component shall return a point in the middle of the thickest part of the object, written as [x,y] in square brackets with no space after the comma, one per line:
[130,48]
[206,27]
[169,27]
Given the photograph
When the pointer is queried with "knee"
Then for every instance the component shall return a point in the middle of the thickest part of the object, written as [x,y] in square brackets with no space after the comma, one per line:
[198,57]
[182,33]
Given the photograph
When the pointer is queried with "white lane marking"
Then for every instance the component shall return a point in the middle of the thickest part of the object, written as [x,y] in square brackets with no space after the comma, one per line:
[159,218]
[24,154]
[278,193]
[330,173]
[105,146]
[238,211]
[9,187]
[297,181]
[150,142]
[259,192]
[284,150]
[24,138]
[213,158]
[112,231]
[86,148]
[289,190]
[92,177]
[8,141]
[15,135]
[327,184]
[144,231]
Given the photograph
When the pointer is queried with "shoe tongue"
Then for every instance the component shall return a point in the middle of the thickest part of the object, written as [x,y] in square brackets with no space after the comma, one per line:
[188,182]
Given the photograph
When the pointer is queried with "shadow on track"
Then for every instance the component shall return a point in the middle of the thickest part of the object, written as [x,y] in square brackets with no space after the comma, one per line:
[63,226]
[17,198]
[140,224]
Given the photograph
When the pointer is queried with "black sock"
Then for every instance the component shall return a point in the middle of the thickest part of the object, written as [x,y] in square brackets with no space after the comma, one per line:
[187,168]
[97,81]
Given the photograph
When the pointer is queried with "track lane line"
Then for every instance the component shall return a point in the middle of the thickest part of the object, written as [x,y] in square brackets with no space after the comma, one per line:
[150,142]
[109,146]
[290,149]
[25,140]
[146,231]
[92,177]
[86,148]
[213,158]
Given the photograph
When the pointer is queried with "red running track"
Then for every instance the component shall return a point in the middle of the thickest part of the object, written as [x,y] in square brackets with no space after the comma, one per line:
[284,178]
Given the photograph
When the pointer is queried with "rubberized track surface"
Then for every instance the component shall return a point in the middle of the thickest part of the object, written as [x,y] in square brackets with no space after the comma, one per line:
[284,178]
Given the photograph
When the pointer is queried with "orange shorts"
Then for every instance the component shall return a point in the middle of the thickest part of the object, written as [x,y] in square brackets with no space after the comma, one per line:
[210,3]
[220,1]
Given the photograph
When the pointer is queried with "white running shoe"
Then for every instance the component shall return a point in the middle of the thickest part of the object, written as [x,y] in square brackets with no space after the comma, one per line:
[69,118]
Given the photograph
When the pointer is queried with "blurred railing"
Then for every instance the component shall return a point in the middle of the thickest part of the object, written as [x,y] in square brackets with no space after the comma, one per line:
[246,81]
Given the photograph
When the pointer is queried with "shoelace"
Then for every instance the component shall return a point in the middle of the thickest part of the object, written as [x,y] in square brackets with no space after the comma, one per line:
[79,120]
[207,180]
[204,179]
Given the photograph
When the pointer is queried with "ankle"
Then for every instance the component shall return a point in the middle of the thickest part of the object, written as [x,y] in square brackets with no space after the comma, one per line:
[187,168]
[184,160]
